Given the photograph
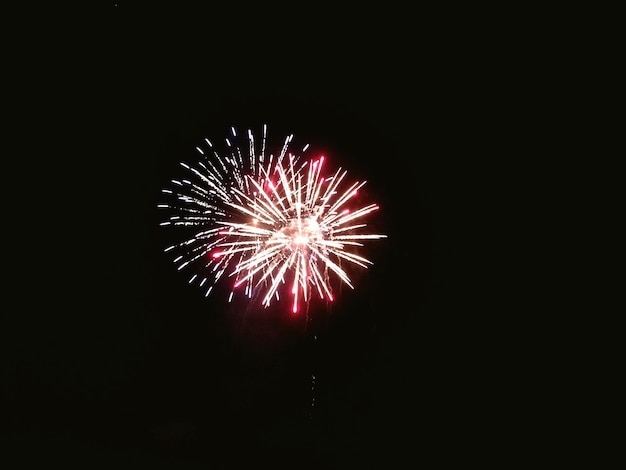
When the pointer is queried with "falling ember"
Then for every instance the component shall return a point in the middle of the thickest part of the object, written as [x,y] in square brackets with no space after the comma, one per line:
[267,221]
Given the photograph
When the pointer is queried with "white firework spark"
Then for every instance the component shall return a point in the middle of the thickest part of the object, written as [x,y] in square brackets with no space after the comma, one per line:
[267,222]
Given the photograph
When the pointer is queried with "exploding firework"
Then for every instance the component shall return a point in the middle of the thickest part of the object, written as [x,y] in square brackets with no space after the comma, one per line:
[267,223]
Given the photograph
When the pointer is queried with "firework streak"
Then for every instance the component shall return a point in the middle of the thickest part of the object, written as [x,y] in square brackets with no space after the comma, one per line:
[267,223]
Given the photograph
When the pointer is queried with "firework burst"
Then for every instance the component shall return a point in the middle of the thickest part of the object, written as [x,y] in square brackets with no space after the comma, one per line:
[267,223]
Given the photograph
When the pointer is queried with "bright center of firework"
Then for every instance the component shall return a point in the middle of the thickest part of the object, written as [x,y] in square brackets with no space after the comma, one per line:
[302,231]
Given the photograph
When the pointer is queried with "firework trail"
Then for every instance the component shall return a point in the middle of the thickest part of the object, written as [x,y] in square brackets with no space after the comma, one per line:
[267,223]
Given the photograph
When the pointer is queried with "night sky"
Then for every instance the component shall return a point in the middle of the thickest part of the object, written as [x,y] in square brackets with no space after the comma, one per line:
[114,359]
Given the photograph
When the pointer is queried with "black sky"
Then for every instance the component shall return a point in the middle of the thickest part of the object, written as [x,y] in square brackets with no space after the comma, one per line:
[112,357]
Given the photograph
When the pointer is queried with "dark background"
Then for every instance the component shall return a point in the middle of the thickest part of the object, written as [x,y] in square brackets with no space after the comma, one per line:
[112,358]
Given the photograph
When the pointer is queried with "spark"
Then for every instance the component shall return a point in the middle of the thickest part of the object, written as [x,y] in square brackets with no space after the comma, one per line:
[267,223]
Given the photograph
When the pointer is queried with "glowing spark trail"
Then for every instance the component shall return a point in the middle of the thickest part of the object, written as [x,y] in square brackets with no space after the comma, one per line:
[267,223]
